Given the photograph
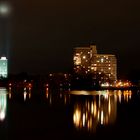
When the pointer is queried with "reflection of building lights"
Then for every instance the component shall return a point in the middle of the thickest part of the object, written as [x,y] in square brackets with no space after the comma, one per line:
[29,95]
[10,95]
[25,95]
[3,104]
[102,117]
[50,100]
[109,107]
[95,109]
[77,117]
[92,110]
[97,112]
[65,99]
[126,94]
[120,97]
[2,115]
[47,95]
[84,119]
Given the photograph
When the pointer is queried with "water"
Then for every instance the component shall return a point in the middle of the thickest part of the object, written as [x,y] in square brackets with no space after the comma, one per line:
[57,114]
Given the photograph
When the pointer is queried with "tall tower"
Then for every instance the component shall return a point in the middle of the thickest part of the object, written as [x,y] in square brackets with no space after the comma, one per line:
[5,12]
[3,67]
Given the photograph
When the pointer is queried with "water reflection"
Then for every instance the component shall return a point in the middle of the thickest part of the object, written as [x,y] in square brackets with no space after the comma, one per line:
[10,93]
[100,110]
[60,97]
[3,103]
[27,93]
[126,95]
[90,109]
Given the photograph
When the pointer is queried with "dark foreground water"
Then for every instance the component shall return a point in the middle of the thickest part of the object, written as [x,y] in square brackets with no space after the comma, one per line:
[56,114]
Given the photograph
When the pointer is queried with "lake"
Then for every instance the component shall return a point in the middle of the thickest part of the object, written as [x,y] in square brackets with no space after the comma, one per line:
[57,114]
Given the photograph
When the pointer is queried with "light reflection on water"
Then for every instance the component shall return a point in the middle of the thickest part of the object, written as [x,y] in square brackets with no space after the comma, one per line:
[3,103]
[90,109]
[26,94]
[101,110]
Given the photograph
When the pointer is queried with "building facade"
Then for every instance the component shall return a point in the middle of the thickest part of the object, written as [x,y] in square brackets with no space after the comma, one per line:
[3,67]
[87,60]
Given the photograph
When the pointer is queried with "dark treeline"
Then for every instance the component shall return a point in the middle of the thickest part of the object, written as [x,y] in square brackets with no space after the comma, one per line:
[60,80]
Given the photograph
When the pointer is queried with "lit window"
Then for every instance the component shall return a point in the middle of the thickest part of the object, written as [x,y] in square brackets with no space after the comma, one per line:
[109,68]
[84,57]
[77,60]
[95,68]
[77,54]
[102,60]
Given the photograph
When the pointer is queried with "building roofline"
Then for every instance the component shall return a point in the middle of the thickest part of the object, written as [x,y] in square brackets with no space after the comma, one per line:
[105,54]
[82,48]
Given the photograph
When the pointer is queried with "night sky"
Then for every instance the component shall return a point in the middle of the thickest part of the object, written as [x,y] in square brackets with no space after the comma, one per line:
[44,32]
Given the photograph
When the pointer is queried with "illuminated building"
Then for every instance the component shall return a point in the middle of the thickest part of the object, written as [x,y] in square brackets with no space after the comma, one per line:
[105,63]
[87,60]
[5,19]
[3,67]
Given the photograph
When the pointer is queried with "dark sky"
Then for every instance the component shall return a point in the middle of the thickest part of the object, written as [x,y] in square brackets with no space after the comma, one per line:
[44,32]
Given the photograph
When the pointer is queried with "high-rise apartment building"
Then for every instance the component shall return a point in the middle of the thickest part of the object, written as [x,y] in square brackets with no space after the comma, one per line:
[3,67]
[87,60]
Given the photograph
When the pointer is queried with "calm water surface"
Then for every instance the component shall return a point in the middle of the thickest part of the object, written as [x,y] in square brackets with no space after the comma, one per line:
[57,114]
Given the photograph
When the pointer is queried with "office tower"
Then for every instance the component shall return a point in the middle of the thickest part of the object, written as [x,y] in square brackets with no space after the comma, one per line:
[5,12]
[87,60]
[3,67]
